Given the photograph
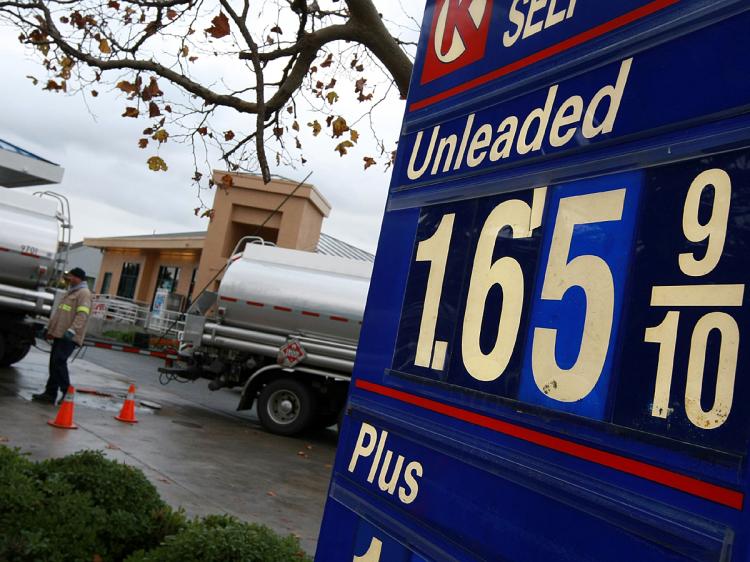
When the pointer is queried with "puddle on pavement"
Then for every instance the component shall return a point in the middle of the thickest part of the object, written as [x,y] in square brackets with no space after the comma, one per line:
[104,401]
[188,424]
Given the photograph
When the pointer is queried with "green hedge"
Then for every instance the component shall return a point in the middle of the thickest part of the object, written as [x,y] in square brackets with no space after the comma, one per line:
[85,507]
[77,508]
[222,538]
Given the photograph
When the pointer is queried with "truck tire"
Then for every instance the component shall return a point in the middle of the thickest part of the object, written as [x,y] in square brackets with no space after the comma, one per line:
[14,354]
[286,407]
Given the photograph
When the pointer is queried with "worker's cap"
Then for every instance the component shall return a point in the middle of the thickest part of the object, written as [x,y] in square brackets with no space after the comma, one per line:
[77,272]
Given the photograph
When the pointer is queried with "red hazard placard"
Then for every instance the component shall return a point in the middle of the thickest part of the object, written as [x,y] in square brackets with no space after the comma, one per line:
[290,354]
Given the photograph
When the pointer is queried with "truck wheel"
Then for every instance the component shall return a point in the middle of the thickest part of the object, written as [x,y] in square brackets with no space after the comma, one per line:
[14,354]
[286,407]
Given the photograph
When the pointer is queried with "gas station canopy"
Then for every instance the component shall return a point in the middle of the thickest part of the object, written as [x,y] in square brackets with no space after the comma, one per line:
[21,168]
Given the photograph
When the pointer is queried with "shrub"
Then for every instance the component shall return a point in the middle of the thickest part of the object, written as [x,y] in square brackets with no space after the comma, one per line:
[222,538]
[135,516]
[87,508]
[78,507]
[50,522]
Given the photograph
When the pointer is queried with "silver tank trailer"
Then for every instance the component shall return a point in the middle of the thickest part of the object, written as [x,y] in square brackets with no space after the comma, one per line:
[284,291]
[28,239]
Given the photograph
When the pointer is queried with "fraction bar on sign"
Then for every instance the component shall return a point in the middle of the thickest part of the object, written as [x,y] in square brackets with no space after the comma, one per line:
[698,295]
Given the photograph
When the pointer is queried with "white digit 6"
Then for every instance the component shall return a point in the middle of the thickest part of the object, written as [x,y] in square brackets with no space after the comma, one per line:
[593,275]
[505,272]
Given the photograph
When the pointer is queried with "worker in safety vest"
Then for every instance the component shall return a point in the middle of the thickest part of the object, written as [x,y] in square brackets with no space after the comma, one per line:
[66,329]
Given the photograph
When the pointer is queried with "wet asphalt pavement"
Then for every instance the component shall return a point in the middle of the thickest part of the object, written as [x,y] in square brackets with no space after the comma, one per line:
[199,452]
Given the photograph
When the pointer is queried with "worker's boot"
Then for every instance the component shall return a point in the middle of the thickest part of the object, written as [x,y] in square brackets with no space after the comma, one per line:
[44,397]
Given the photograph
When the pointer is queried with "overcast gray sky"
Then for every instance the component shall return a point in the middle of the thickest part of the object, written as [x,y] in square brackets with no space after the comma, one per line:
[111,190]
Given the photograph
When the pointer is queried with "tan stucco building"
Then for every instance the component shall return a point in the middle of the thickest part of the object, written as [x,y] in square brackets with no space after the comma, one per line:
[283,212]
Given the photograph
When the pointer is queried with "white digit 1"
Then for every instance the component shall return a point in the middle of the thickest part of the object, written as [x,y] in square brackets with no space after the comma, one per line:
[435,251]
[666,335]
[505,272]
[593,275]
[715,229]
[372,554]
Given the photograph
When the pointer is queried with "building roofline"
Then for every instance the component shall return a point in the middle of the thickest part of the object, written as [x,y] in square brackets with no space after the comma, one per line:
[278,185]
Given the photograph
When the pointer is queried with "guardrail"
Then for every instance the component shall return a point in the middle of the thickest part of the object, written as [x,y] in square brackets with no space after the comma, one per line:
[111,314]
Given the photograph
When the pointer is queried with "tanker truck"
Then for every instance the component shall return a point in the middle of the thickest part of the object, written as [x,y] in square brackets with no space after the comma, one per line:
[284,327]
[29,238]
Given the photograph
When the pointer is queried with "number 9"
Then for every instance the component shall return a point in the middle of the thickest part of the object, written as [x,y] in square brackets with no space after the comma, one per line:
[715,229]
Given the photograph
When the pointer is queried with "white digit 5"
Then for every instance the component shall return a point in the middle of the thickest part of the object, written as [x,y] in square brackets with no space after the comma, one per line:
[715,229]
[593,275]
[505,272]
[372,554]
[435,251]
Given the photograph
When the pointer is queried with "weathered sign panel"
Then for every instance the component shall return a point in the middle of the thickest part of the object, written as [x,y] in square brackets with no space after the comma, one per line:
[552,362]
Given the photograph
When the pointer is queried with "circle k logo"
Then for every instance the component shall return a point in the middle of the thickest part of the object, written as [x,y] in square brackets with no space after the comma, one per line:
[458,36]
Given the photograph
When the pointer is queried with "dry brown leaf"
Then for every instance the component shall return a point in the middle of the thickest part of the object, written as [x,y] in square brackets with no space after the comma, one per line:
[315,127]
[332,97]
[342,146]
[339,126]
[156,164]
[219,26]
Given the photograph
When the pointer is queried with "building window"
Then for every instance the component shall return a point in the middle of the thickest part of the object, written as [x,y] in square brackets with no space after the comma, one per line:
[128,280]
[106,282]
[168,278]
[192,282]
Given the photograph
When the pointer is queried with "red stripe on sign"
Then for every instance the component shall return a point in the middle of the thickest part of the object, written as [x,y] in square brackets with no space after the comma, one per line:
[131,350]
[103,345]
[687,484]
[282,308]
[4,249]
[28,255]
[253,303]
[556,49]
[339,318]
[228,299]
[308,313]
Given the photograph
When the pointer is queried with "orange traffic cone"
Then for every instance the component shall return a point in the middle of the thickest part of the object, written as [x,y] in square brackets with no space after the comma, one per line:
[127,414]
[64,419]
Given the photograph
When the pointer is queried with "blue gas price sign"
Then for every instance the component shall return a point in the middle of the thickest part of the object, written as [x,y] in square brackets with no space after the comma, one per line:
[552,362]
